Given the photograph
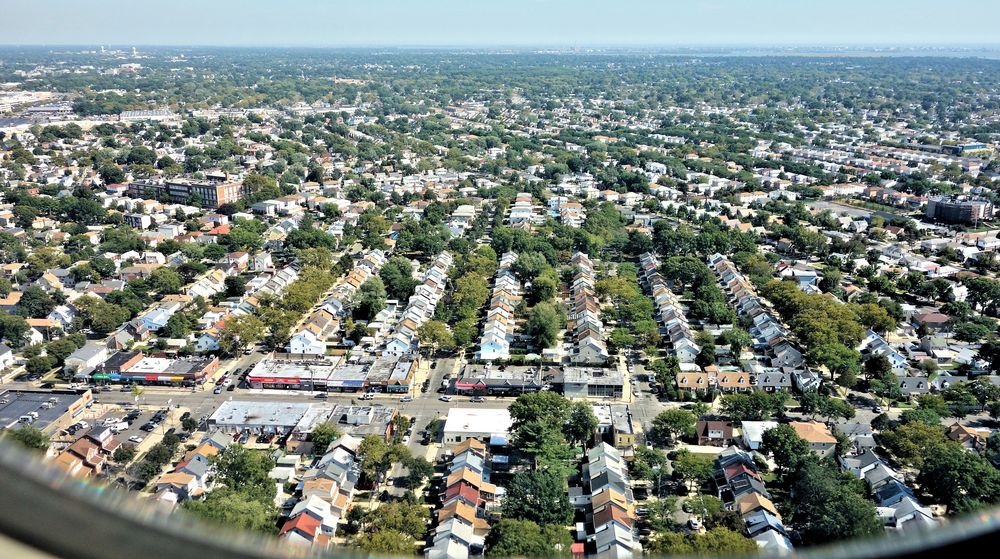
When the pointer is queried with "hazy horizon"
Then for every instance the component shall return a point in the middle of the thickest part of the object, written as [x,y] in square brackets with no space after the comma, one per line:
[509,24]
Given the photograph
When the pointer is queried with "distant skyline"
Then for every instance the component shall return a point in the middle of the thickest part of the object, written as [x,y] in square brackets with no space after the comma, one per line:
[567,23]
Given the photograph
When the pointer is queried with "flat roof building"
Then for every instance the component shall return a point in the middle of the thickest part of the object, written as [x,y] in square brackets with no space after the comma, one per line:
[590,382]
[258,417]
[476,423]
[212,194]
[959,209]
[53,408]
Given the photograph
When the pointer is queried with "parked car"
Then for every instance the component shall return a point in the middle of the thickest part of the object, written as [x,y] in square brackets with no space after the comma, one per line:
[135,439]
[47,385]
[694,524]
[218,390]
[367,397]
[322,396]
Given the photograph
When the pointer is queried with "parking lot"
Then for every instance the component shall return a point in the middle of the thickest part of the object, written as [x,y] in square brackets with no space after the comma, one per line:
[136,418]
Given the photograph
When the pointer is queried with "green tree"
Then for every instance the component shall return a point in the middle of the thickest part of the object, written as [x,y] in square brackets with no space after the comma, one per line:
[386,542]
[403,517]
[829,506]
[737,339]
[717,542]
[524,538]
[435,334]
[538,496]
[544,324]
[621,338]
[166,281]
[30,437]
[692,468]
[909,443]
[582,423]
[671,425]
[124,454]
[961,480]
[370,299]
[647,463]
[189,424]
[322,435]
[397,275]
[235,286]
[246,471]
[785,445]
[35,303]
[755,406]
[878,367]
[240,332]
[13,329]
[229,508]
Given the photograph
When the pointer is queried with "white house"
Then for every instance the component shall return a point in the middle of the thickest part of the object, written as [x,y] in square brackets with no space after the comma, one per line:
[306,342]
[6,356]
[86,358]
[753,432]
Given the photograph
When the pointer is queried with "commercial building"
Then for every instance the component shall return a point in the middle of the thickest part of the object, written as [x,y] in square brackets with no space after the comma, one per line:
[137,367]
[476,423]
[212,194]
[312,374]
[47,410]
[498,380]
[257,417]
[959,209]
[615,426]
[388,373]
[589,382]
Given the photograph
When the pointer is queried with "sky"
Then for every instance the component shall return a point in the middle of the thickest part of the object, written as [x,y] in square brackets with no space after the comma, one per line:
[566,23]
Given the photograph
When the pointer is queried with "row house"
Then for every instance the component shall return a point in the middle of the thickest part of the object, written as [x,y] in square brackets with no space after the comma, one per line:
[742,490]
[604,497]
[189,478]
[584,318]
[420,307]
[327,489]
[465,500]
[89,454]
[895,502]
[498,330]
[770,336]
[673,321]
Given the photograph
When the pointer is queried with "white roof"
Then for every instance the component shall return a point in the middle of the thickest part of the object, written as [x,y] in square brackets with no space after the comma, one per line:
[478,421]
[754,430]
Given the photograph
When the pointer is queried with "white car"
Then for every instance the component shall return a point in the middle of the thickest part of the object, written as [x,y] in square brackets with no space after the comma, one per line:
[135,439]
[445,398]
[694,524]
[405,399]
